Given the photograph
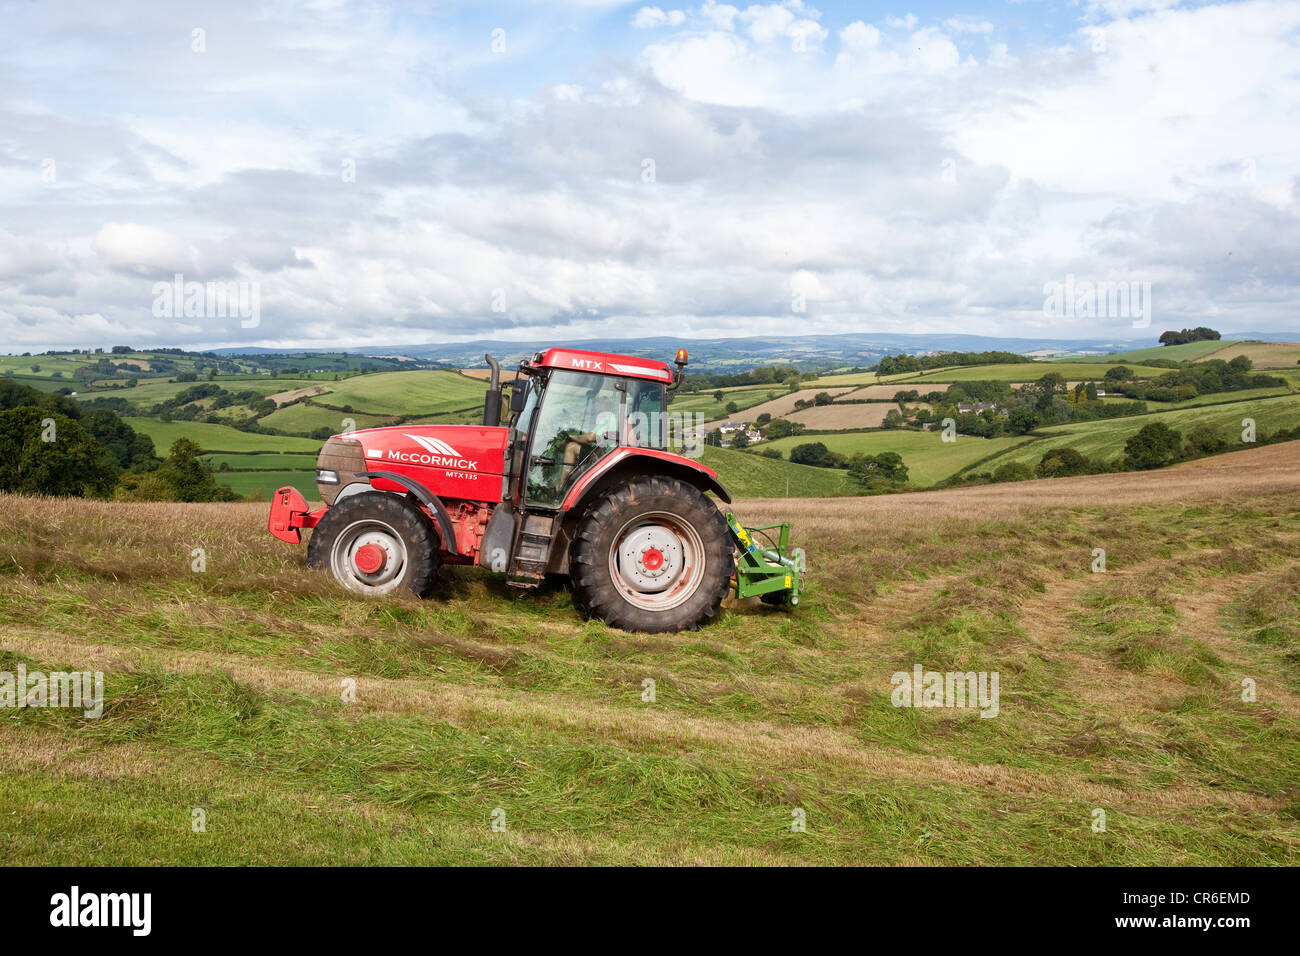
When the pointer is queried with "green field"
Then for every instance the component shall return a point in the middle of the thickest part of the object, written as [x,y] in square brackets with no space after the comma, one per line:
[217,437]
[702,402]
[1187,352]
[263,484]
[1105,439]
[1210,398]
[928,457]
[747,475]
[406,393]
[1011,372]
[264,461]
[303,419]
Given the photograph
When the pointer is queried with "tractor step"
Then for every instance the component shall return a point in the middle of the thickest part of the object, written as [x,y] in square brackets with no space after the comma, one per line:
[532,552]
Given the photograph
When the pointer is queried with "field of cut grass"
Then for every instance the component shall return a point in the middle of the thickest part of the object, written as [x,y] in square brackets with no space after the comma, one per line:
[1119,691]
[417,392]
[304,419]
[834,417]
[1264,355]
[1105,439]
[1187,352]
[928,457]
[217,437]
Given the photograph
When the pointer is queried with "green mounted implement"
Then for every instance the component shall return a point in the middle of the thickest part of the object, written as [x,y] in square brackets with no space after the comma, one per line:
[772,573]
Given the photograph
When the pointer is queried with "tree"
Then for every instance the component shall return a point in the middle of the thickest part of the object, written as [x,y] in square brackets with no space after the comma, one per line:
[1060,462]
[1023,419]
[740,440]
[732,408]
[811,453]
[1155,445]
[873,471]
[778,428]
[763,419]
[190,476]
[714,438]
[1013,471]
[822,398]
[1205,439]
[719,395]
[44,452]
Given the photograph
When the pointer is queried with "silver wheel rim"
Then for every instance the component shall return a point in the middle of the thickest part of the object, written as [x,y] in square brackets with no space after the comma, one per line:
[349,545]
[657,561]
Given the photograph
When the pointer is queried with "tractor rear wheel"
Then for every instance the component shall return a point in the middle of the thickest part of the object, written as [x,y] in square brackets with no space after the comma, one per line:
[375,543]
[651,555]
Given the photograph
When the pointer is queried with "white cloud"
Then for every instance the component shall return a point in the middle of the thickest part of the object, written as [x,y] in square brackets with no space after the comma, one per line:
[860,37]
[649,17]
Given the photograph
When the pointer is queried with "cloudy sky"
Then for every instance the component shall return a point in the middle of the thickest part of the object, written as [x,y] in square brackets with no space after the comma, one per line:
[416,172]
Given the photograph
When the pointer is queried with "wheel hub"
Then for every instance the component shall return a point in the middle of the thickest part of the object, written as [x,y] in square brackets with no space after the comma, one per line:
[369,558]
[651,558]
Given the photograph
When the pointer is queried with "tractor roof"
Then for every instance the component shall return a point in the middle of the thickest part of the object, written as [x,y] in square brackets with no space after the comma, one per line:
[603,363]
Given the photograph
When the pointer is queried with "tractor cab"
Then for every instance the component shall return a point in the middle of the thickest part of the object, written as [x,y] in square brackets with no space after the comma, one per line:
[572,409]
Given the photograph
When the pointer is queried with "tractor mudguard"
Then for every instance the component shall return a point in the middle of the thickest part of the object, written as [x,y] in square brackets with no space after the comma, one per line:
[427,498]
[648,461]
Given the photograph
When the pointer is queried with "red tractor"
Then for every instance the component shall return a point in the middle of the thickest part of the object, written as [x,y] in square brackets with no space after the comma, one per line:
[580,483]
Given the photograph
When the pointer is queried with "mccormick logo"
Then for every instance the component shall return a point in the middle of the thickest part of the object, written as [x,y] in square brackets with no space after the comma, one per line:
[439,453]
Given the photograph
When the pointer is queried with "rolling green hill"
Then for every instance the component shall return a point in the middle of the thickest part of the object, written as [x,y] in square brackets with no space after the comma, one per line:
[928,457]
[217,437]
[748,475]
[1105,439]
[1187,352]
[406,393]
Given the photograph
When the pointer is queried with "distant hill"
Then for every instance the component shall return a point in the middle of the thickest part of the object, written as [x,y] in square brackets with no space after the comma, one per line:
[808,352]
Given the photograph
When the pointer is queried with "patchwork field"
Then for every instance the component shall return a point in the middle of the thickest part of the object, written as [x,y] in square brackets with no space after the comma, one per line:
[928,457]
[1119,691]
[832,417]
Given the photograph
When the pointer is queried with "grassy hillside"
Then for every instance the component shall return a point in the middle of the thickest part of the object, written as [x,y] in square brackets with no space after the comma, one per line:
[1012,372]
[217,437]
[1118,691]
[304,419]
[1105,439]
[928,457]
[1187,352]
[748,475]
[1265,355]
[406,393]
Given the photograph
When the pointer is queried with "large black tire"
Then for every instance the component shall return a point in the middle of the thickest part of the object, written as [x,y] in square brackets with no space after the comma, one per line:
[408,546]
[672,526]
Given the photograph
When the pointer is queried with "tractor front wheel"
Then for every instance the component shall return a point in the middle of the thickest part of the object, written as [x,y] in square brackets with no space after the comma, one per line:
[651,555]
[375,543]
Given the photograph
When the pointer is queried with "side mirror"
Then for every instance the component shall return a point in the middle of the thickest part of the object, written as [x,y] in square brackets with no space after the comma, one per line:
[518,396]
